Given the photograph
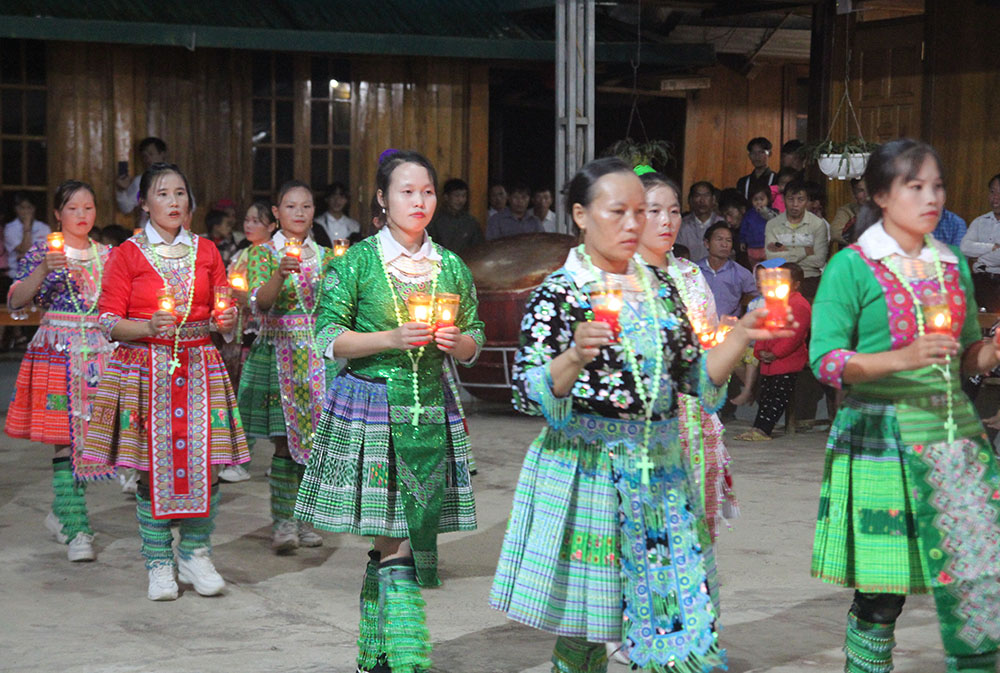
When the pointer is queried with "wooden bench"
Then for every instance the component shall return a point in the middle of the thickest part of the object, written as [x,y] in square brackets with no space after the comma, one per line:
[33,318]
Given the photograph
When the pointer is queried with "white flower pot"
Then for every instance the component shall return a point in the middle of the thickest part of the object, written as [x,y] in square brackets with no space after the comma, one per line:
[843,168]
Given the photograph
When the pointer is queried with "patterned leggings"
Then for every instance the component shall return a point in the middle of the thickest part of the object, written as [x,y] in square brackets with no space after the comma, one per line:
[775,393]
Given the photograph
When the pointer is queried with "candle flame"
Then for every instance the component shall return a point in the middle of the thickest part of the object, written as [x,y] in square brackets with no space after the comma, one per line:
[166,304]
[781,291]
[238,282]
[939,320]
[420,313]
[614,303]
[446,315]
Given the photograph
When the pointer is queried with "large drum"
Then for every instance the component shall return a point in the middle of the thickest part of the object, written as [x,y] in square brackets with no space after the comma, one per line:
[506,272]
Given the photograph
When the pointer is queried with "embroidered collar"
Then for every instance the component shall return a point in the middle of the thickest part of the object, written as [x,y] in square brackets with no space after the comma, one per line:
[393,250]
[183,236]
[877,244]
[582,276]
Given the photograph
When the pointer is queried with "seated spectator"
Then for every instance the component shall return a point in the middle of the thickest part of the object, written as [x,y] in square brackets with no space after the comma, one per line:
[759,151]
[152,150]
[816,199]
[781,360]
[799,237]
[335,223]
[792,157]
[497,200]
[515,218]
[785,175]
[219,227]
[541,206]
[23,231]
[732,285]
[732,207]
[842,226]
[981,243]
[701,200]
[951,228]
[453,227]
[754,223]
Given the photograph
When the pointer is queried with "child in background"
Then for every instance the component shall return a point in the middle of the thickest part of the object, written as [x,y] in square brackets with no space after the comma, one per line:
[219,226]
[754,223]
[732,207]
[785,175]
[780,362]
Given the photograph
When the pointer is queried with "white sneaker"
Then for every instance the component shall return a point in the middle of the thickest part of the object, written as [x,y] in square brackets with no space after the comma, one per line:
[285,537]
[81,549]
[616,654]
[200,571]
[307,536]
[129,479]
[162,586]
[53,526]
[233,474]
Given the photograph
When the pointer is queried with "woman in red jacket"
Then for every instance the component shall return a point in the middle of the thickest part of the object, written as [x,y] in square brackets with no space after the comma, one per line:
[781,360]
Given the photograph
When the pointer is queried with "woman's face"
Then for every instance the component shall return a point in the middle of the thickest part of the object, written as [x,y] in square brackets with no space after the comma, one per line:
[614,221]
[411,201]
[25,211]
[915,205]
[168,202]
[77,216]
[295,212]
[255,228]
[663,220]
[336,202]
[860,193]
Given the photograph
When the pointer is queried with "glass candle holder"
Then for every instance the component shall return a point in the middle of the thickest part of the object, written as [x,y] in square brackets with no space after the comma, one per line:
[223,297]
[607,305]
[937,315]
[293,247]
[165,300]
[726,325]
[238,282]
[447,309]
[56,241]
[340,246]
[418,305]
[776,286]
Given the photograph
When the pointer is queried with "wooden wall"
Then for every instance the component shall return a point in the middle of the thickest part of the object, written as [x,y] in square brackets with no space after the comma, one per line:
[103,99]
[722,118]
[962,98]
[438,107]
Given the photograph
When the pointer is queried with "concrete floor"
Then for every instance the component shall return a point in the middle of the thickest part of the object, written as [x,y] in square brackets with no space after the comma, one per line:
[299,613]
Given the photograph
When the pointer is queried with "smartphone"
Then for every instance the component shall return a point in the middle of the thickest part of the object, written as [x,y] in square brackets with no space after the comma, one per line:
[123,168]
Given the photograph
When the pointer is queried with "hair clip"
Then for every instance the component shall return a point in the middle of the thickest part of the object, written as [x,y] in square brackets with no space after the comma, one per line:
[386,154]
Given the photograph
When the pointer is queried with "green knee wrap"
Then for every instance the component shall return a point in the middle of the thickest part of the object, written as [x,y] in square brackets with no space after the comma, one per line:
[284,482]
[68,502]
[975,663]
[576,655]
[868,646]
[196,533]
[401,618]
[371,645]
[157,542]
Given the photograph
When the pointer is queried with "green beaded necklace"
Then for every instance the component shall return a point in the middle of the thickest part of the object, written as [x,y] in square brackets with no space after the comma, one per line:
[647,397]
[174,362]
[416,409]
[918,311]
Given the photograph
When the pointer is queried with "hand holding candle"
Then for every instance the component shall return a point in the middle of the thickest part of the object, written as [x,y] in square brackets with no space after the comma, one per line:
[418,305]
[607,305]
[776,286]
[55,257]
[165,300]
[293,250]
[937,315]
[223,298]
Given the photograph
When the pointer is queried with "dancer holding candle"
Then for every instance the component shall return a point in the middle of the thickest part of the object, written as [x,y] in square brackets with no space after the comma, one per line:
[705,452]
[64,361]
[391,454]
[604,542]
[284,376]
[165,405]
[911,489]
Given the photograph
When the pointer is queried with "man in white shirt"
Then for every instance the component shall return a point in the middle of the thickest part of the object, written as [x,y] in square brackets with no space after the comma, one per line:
[701,200]
[152,150]
[541,205]
[981,243]
[335,223]
[22,232]
[799,236]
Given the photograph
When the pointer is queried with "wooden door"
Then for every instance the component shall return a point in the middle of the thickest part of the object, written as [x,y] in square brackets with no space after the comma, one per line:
[887,73]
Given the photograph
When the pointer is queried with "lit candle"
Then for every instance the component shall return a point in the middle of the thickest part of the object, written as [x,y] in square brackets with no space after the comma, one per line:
[340,246]
[165,300]
[776,285]
[238,281]
[293,247]
[726,325]
[607,305]
[937,315]
[418,305]
[447,309]
[223,297]
[56,242]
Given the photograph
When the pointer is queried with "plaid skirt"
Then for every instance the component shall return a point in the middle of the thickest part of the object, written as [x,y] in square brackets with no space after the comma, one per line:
[260,393]
[118,433]
[866,536]
[350,484]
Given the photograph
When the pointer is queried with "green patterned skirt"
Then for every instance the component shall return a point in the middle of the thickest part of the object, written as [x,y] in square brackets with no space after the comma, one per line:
[260,393]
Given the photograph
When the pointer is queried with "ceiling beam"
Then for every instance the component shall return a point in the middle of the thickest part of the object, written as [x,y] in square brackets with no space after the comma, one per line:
[730,9]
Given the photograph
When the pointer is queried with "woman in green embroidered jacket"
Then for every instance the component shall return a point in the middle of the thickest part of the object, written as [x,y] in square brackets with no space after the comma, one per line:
[911,492]
[391,453]
[604,543]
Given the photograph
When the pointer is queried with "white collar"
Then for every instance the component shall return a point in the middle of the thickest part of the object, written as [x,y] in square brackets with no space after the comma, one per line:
[279,239]
[183,236]
[877,244]
[584,275]
[392,249]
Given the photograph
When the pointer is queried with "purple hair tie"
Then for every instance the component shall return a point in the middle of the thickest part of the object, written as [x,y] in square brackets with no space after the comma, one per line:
[388,153]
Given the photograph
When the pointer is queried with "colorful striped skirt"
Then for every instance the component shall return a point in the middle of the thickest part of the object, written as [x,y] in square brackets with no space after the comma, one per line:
[123,413]
[351,485]
[866,536]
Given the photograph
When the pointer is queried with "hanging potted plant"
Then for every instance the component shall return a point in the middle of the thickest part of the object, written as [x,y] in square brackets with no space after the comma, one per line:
[655,153]
[842,160]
